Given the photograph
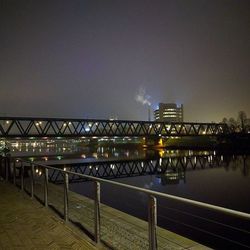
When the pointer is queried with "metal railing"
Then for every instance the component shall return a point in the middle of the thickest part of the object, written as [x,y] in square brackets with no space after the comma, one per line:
[152,200]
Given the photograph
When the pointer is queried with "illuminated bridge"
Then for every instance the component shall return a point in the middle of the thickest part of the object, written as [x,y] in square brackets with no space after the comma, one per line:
[19,127]
[168,167]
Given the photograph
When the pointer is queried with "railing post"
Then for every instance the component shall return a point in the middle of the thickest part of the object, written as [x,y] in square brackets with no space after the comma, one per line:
[22,176]
[6,168]
[97,212]
[32,180]
[46,174]
[1,170]
[66,199]
[152,222]
[14,172]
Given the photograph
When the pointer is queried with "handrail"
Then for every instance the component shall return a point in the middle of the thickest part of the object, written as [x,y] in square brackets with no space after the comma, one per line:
[152,201]
[155,193]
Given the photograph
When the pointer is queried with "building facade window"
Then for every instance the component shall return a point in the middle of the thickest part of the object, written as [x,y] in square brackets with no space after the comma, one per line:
[169,112]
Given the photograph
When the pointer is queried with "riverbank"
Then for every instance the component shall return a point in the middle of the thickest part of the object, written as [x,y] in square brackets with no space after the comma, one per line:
[226,142]
[118,229]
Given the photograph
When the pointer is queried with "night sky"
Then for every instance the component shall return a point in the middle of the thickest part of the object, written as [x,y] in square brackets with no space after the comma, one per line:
[89,59]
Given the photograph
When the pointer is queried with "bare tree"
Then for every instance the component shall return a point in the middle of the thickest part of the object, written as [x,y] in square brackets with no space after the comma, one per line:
[224,120]
[232,124]
[242,118]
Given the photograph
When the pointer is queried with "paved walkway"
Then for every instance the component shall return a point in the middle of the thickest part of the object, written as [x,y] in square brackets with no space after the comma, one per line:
[26,224]
[119,230]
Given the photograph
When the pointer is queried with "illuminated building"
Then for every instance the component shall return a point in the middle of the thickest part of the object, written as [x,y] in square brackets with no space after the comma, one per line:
[169,112]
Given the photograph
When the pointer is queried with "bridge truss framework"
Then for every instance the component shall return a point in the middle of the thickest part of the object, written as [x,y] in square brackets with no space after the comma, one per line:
[13,127]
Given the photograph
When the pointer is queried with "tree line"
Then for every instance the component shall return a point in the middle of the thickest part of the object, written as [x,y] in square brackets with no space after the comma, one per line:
[240,124]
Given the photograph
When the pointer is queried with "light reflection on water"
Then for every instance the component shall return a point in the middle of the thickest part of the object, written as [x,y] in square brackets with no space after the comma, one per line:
[211,177]
[219,178]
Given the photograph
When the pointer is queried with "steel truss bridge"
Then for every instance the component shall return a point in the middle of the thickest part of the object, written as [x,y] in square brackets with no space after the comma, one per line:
[19,127]
[169,168]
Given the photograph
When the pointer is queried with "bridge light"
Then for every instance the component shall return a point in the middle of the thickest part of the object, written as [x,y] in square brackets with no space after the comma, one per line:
[69,123]
[37,124]
[161,153]
[7,122]
[160,142]
[160,161]
[208,159]
[40,123]
[64,124]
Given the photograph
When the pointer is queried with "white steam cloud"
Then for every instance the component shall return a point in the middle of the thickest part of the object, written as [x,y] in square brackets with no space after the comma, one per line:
[142,98]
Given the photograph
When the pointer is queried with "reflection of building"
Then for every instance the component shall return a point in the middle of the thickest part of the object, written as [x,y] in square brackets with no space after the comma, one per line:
[172,177]
[169,112]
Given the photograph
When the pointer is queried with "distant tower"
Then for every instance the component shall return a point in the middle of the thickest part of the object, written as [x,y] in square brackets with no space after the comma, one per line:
[169,112]
[149,113]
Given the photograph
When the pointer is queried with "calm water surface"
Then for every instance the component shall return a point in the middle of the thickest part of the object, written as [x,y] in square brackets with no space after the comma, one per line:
[211,177]
[218,178]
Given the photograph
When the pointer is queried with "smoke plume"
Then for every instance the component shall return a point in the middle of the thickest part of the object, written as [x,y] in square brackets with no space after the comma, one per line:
[142,98]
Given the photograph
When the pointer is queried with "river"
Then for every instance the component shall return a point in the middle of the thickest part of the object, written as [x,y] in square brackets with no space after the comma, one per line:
[218,178]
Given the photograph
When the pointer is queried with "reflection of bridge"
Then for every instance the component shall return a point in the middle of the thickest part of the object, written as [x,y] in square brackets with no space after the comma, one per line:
[13,127]
[121,169]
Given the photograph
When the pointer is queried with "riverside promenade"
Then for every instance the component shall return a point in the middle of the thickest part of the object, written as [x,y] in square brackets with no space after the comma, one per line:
[26,224]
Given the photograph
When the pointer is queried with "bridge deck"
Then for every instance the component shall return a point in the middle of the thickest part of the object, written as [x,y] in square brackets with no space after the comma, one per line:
[118,229]
[12,127]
